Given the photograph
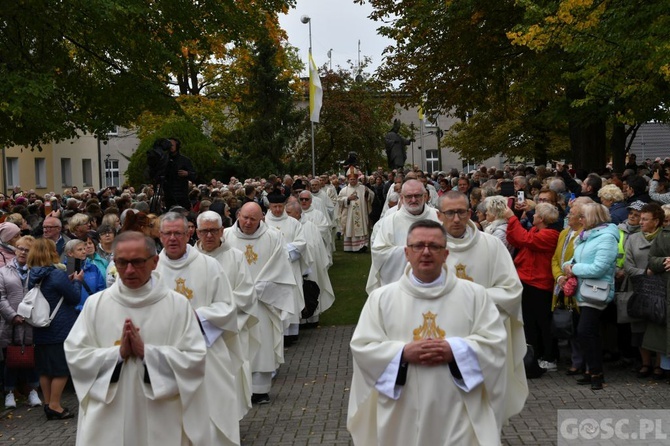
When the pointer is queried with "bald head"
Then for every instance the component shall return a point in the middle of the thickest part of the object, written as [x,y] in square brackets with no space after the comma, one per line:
[249,218]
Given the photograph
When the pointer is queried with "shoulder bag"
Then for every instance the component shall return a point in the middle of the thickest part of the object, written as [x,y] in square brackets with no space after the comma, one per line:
[594,291]
[648,299]
[20,356]
[35,308]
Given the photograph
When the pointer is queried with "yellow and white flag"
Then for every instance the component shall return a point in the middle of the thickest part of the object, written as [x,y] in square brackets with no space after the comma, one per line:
[315,91]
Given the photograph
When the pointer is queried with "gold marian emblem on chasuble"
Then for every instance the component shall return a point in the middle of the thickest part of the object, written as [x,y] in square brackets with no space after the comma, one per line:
[182,289]
[460,272]
[429,329]
[251,256]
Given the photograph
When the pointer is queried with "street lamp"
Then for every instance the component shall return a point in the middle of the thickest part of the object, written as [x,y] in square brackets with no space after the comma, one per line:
[307,20]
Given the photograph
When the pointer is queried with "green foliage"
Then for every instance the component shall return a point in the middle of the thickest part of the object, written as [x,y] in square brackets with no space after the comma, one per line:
[535,71]
[91,64]
[267,121]
[194,145]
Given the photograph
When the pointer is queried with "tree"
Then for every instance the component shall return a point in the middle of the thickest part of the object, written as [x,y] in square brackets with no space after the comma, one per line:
[266,119]
[533,72]
[355,116]
[90,65]
[195,145]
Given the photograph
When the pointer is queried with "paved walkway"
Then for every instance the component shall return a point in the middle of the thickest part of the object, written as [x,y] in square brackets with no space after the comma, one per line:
[311,392]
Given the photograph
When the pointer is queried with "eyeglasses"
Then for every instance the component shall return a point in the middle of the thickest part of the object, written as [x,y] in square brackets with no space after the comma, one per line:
[209,231]
[432,247]
[137,263]
[305,199]
[50,227]
[412,196]
[23,250]
[462,213]
[175,234]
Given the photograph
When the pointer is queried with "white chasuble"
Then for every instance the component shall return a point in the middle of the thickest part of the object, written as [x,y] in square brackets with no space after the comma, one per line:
[202,281]
[433,407]
[169,410]
[388,248]
[296,251]
[248,339]
[273,279]
[483,259]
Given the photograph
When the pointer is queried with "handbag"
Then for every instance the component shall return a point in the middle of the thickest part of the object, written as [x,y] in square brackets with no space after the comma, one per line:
[594,291]
[648,299]
[34,308]
[20,356]
[622,315]
[564,319]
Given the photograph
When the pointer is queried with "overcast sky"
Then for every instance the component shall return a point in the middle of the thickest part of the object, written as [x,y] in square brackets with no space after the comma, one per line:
[336,25]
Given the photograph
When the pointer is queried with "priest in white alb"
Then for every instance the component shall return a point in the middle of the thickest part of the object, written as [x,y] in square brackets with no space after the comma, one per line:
[426,350]
[319,270]
[203,283]
[355,202]
[311,212]
[137,358]
[298,256]
[271,272]
[482,258]
[245,344]
[388,262]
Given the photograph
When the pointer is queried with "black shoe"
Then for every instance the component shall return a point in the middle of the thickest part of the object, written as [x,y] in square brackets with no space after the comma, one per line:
[53,415]
[572,371]
[585,379]
[597,382]
[260,398]
[659,374]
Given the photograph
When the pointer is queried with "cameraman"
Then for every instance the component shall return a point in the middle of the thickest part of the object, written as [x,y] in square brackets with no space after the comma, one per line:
[658,187]
[172,171]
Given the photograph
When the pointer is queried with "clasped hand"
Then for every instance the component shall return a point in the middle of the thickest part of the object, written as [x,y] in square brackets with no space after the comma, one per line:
[428,352]
[131,341]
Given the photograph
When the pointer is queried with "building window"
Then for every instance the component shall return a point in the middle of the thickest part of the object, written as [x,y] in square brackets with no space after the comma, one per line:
[13,172]
[114,131]
[65,172]
[112,173]
[431,161]
[87,172]
[40,173]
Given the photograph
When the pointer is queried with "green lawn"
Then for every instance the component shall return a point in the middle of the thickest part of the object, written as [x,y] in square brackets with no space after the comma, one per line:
[348,275]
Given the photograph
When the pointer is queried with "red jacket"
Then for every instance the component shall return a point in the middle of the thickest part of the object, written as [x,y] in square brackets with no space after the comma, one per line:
[535,248]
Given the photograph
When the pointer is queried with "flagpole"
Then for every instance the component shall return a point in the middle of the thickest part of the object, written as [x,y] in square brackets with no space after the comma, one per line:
[306,19]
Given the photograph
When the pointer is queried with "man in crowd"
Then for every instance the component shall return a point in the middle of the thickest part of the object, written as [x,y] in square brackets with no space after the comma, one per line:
[138,386]
[355,202]
[428,351]
[178,172]
[388,263]
[245,344]
[482,258]
[271,272]
[52,228]
[206,287]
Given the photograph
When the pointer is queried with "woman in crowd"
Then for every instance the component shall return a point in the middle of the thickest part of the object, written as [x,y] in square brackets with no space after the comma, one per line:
[112,219]
[535,249]
[656,336]
[13,278]
[93,280]
[9,235]
[637,257]
[596,250]
[564,251]
[43,261]
[106,236]
[612,197]
[495,216]
[92,255]
[78,226]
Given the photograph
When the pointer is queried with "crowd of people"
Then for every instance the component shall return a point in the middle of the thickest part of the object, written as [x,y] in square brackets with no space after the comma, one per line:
[528,237]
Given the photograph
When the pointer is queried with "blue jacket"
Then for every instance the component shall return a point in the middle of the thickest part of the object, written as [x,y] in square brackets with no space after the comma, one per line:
[55,284]
[595,258]
[619,212]
[94,280]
